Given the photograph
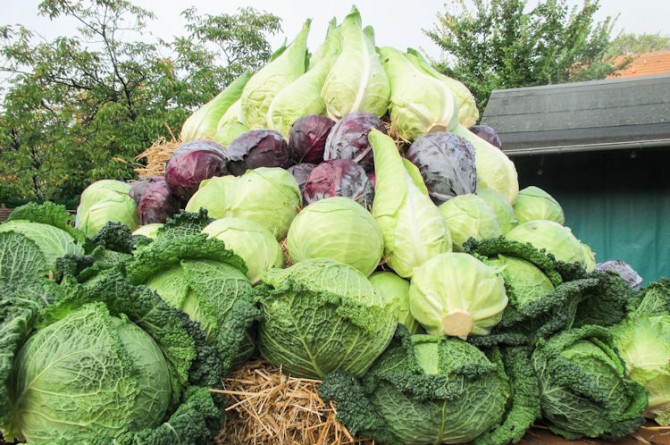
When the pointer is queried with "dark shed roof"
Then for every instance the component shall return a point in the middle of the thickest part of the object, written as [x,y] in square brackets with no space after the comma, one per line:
[582,116]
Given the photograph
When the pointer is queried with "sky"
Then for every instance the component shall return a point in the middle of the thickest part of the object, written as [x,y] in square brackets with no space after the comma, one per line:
[397,23]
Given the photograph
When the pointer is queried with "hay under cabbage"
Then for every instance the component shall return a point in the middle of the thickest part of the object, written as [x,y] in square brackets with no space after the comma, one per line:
[267,406]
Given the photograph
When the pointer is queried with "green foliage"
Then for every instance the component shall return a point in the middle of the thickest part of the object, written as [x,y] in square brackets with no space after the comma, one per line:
[497,44]
[630,44]
[74,112]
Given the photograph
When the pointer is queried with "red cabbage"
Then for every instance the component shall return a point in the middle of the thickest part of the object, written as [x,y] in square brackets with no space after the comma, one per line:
[339,177]
[487,133]
[193,162]
[157,204]
[307,139]
[349,139]
[257,148]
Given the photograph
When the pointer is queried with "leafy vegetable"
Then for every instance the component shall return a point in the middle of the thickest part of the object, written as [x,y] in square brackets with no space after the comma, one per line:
[348,139]
[456,294]
[487,133]
[301,172]
[192,163]
[321,316]
[413,228]
[257,148]
[266,83]
[356,81]
[205,280]
[585,390]
[226,134]
[423,389]
[551,236]
[211,196]
[446,163]
[420,103]
[395,290]
[336,228]
[534,203]
[469,216]
[624,270]
[501,207]
[495,171]
[104,201]
[255,244]
[203,123]
[339,177]
[308,136]
[157,203]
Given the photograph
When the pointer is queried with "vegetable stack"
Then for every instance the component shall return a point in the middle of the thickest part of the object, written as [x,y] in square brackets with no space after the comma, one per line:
[342,216]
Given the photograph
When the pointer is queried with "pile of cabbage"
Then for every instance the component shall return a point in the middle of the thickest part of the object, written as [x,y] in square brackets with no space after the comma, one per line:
[340,215]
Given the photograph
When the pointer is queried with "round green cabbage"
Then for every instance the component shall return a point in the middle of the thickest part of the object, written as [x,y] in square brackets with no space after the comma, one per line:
[336,228]
[534,203]
[320,316]
[211,196]
[269,196]
[395,290]
[87,376]
[525,282]
[456,294]
[501,207]
[148,230]
[104,201]
[255,244]
[469,216]
[552,237]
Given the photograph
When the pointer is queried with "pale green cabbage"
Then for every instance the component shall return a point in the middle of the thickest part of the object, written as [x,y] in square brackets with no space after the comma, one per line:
[534,203]
[413,228]
[501,207]
[551,236]
[303,96]
[211,196]
[261,89]
[469,216]
[148,230]
[495,171]
[395,290]
[269,196]
[255,244]
[338,228]
[357,81]
[104,201]
[321,316]
[468,114]
[456,294]
[203,123]
[226,134]
[420,103]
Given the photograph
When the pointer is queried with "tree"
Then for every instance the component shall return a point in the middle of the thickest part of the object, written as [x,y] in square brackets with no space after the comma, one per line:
[81,108]
[631,44]
[501,44]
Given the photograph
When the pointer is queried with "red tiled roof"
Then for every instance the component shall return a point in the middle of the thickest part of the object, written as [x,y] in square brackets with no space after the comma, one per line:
[647,64]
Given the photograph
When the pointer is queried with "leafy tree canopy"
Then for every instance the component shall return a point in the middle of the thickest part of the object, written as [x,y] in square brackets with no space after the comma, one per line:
[81,107]
[492,44]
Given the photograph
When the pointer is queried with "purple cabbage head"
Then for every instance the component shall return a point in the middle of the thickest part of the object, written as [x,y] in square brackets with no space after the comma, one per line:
[157,203]
[487,133]
[138,188]
[257,148]
[339,177]
[307,139]
[349,139]
[300,172]
[624,270]
[191,163]
[447,164]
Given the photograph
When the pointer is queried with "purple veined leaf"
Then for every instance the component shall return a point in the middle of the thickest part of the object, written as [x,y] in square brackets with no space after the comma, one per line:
[339,177]
[349,139]
[300,172]
[447,164]
[193,162]
[157,203]
[308,136]
[257,148]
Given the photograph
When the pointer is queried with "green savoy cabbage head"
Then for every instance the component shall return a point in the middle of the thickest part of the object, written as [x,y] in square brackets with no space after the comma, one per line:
[338,228]
[320,316]
[534,203]
[423,390]
[585,389]
[456,294]
[252,242]
[395,290]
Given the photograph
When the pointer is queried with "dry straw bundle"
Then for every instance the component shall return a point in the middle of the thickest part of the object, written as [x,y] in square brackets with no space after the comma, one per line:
[156,157]
[267,407]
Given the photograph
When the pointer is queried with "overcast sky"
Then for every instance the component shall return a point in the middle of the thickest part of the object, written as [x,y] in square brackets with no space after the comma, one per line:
[397,23]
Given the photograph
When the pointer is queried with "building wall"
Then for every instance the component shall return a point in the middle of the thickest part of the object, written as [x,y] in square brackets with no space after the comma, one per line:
[617,202]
